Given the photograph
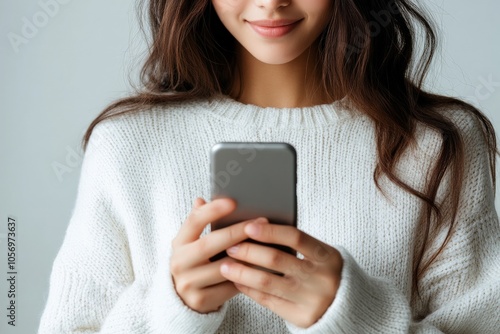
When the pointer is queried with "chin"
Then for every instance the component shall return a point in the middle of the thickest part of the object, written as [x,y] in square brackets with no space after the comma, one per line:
[275,57]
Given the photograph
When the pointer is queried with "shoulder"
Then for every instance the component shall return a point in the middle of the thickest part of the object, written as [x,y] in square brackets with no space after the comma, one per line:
[477,135]
[478,140]
[473,127]
[468,121]
[133,131]
[131,146]
[422,155]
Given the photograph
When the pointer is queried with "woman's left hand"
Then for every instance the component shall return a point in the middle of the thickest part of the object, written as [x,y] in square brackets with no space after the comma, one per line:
[308,286]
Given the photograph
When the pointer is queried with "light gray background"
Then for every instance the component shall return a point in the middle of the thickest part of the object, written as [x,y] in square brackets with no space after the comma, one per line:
[79,60]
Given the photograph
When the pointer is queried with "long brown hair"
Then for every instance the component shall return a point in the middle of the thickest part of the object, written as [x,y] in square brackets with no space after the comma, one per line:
[367,53]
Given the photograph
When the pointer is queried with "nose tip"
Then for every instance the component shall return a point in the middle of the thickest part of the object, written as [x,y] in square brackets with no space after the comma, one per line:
[273,4]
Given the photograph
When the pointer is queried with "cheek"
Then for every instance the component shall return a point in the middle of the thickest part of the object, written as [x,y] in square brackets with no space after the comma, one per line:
[317,6]
[229,13]
[228,9]
[321,10]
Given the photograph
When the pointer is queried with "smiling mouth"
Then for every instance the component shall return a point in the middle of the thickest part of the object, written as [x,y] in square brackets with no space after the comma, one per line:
[274,28]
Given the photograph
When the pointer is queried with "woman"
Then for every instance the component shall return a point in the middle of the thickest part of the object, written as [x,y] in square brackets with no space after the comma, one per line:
[396,220]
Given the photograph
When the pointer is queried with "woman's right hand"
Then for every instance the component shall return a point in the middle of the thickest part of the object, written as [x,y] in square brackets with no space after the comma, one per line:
[198,281]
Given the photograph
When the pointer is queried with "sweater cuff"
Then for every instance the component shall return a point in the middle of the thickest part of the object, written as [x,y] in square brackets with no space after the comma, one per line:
[171,315]
[363,304]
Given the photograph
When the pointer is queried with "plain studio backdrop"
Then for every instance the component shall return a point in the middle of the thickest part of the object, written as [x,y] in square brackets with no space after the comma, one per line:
[63,61]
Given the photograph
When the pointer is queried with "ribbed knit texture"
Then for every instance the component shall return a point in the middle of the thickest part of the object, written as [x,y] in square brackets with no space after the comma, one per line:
[141,173]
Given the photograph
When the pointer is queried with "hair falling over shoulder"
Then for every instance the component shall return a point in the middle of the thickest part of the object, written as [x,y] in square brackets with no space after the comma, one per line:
[367,53]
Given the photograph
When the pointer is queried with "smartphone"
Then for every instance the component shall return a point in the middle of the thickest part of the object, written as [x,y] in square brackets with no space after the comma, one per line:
[261,177]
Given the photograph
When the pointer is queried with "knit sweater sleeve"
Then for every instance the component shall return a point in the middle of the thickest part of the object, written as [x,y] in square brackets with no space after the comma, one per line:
[460,293]
[92,283]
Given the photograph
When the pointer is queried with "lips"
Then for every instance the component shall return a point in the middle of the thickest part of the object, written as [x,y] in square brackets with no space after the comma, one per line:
[274,28]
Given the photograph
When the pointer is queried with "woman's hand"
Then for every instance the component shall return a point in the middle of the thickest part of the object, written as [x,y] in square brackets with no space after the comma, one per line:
[198,281]
[308,286]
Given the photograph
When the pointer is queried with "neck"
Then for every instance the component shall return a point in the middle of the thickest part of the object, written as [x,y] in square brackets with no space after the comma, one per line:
[294,84]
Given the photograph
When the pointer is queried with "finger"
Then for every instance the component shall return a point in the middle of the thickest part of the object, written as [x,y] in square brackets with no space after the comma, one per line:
[199,217]
[221,292]
[264,256]
[198,202]
[260,280]
[274,302]
[211,298]
[202,276]
[199,251]
[282,307]
[292,237]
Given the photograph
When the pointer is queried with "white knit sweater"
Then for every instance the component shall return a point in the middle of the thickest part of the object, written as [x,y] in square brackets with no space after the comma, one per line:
[141,173]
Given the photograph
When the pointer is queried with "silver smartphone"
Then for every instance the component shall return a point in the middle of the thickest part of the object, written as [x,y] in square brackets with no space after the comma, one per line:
[261,177]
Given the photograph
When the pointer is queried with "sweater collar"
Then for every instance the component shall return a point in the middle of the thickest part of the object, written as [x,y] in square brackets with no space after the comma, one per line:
[226,108]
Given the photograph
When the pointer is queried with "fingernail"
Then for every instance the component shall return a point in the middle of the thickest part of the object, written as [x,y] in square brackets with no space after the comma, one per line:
[261,220]
[198,201]
[224,269]
[253,229]
[226,203]
[233,249]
